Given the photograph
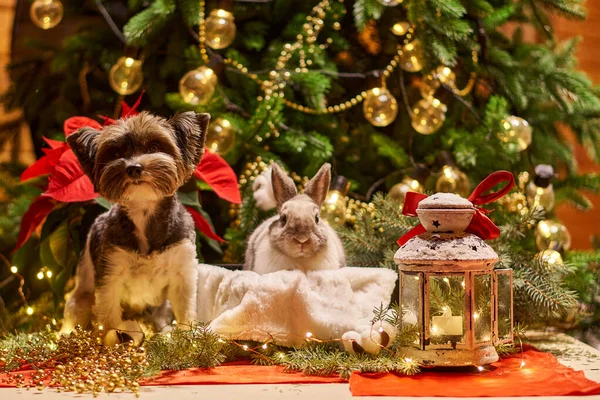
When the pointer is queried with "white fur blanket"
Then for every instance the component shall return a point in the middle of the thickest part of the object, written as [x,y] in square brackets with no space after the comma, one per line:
[283,306]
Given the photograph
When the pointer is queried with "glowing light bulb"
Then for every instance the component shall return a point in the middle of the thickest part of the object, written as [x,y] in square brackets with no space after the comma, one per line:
[380,107]
[408,184]
[549,234]
[400,28]
[46,14]
[428,115]
[29,310]
[40,275]
[475,315]
[480,368]
[220,137]
[408,359]
[309,334]
[411,57]
[245,347]
[197,86]
[220,29]
[453,180]
[126,76]
[14,269]
[265,346]
[515,133]
[48,274]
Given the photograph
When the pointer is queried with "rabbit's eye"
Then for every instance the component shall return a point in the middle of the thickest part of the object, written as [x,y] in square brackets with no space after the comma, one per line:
[283,219]
[316,219]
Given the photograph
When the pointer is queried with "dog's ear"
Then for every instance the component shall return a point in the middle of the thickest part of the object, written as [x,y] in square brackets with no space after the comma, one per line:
[190,132]
[84,144]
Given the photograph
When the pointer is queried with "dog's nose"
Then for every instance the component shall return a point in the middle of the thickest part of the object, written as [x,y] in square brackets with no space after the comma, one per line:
[134,171]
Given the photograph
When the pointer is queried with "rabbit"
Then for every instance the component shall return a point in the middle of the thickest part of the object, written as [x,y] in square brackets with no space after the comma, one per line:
[296,238]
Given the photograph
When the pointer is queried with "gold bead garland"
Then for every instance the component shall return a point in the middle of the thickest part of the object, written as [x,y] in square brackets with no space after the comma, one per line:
[277,78]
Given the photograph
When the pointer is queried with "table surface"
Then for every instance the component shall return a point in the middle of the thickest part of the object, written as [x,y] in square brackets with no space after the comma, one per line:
[569,351]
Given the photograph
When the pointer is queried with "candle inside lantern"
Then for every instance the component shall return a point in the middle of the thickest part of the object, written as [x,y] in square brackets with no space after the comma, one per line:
[446,324]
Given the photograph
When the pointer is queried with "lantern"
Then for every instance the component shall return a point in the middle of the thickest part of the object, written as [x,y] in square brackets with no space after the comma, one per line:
[459,306]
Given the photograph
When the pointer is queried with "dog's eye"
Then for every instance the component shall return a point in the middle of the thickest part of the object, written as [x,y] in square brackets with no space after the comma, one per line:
[316,219]
[154,147]
[283,219]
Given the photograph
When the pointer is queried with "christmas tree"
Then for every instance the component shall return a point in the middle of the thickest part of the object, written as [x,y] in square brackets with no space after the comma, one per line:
[421,95]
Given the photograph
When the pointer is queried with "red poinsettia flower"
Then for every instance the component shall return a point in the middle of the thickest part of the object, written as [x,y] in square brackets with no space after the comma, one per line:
[68,183]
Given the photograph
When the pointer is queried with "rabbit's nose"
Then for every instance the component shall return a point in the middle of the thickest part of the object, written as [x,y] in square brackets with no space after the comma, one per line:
[302,240]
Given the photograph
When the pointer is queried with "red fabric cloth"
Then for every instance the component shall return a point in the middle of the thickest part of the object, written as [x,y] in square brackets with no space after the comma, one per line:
[235,373]
[241,372]
[542,375]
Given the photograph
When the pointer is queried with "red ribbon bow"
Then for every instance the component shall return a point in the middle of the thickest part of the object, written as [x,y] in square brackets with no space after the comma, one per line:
[480,225]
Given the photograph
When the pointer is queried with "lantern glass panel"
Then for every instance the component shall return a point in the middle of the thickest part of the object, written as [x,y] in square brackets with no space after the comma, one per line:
[447,309]
[410,299]
[482,309]
[504,304]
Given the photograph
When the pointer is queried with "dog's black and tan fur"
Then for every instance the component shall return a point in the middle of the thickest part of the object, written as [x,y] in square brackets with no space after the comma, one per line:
[142,251]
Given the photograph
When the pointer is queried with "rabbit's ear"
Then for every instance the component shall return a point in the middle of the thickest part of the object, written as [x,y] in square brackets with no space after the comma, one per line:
[283,186]
[318,186]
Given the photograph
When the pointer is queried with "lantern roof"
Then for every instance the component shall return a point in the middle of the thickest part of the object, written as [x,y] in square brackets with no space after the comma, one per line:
[448,247]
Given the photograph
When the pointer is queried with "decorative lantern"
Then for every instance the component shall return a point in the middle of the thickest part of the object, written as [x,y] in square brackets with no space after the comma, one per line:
[458,304]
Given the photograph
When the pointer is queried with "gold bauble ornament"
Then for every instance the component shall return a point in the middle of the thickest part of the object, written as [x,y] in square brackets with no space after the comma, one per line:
[552,234]
[126,76]
[412,54]
[198,85]
[399,190]
[400,28]
[220,137]
[516,133]
[428,115]
[46,14]
[453,180]
[390,3]
[380,107]
[540,196]
[540,192]
[431,82]
[220,29]
[550,258]
[334,207]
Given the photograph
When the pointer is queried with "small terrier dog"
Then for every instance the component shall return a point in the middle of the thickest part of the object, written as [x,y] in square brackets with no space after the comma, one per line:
[142,251]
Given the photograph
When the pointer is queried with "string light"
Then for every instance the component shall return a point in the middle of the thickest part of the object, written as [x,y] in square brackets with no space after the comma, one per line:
[309,335]
[40,275]
[245,347]
[265,346]
[29,310]
[480,368]
[48,274]
[14,269]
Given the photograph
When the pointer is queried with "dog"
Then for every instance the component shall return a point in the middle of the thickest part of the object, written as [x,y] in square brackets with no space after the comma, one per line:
[141,253]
